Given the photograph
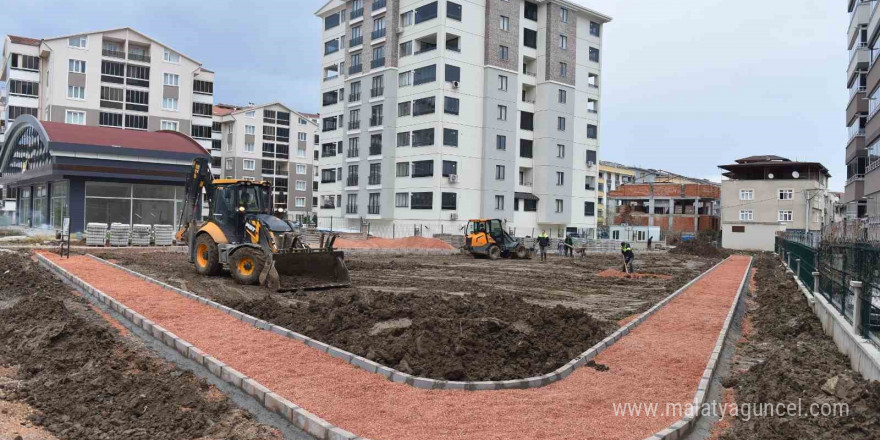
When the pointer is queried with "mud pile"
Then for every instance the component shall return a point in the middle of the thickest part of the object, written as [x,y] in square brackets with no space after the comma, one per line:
[794,360]
[700,248]
[87,383]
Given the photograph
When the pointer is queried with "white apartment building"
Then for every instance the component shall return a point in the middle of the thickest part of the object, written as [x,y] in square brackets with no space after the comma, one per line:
[272,143]
[437,111]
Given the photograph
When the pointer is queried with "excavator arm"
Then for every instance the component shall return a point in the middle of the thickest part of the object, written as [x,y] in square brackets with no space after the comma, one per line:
[200,178]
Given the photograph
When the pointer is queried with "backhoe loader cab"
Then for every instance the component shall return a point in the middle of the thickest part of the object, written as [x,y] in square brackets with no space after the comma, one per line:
[487,238]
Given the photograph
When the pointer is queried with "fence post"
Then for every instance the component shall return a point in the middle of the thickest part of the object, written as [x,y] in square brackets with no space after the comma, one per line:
[788,260]
[331,223]
[816,276]
[857,306]
[392,230]
[797,262]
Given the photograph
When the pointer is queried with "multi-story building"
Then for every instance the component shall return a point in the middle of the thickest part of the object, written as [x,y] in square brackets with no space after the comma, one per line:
[272,143]
[671,207]
[863,77]
[611,176]
[456,109]
[766,194]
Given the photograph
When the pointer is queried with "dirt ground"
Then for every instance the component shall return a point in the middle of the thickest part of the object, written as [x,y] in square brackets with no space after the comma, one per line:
[449,317]
[66,373]
[786,357]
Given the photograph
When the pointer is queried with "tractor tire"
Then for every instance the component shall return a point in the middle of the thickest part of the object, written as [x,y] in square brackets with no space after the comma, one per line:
[207,256]
[521,252]
[246,265]
[494,252]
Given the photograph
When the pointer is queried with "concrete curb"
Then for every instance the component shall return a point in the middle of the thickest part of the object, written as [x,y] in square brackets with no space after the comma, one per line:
[297,416]
[423,382]
[683,426]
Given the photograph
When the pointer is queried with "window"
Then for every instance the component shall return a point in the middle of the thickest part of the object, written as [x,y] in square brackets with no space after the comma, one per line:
[401,200]
[563,15]
[453,11]
[80,41]
[331,46]
[594,28]
[404,79]
[299,202]
[530,38]
[500,142]
[447,201]
[406,19]
[450,167]
[249,164]
[591,157]
[531,11]
[76,66]
[171,79]
[169,104]
[746,194]
[527,121]
[785,215]
[786,194]
[423,168]
[560,123]
[249,147]
[563,96]
[592,131]
[499,172]
[110,119]
[170,125]
[300,169]
[563,42]
[404,108]
[502,112]
[503,52]
[450,105]
[505,23]
[403,139]
[171,57]
[425,75]
[203,109]
[250,129]
[560,178]
[136,122]
[203,87]
[450,137]
[199,131]
[560,207]
[594,54]
[75,117]
[406,48]
[25,62]
[453,73]
[423,106]
[499,203]
[331,21]
[423,138]
[422,200]
[426,12]
[560,151]
[402,169]
[502,82]
[563,70]
[746,215]
[76,92]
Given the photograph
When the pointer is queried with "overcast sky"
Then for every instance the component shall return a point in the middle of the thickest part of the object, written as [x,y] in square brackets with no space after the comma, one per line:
[686,85]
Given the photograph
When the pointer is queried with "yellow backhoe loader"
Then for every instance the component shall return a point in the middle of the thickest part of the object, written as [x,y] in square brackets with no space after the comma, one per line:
[486,238]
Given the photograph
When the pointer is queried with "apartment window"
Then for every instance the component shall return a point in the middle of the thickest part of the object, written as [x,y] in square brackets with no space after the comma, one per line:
[170,125]
[249,147]
[137,122]
[505,23]
[563,42]
[560,123]
[592,131]
[425,74]
[560,178]
[203,109]
[137,75]
[450,137]
[76,92]
[594,28]
[110,119]
[406,48]
[503,52]
[171,79]
[453,11]
[375,145]
[563,96]
[200,131]
[502,82]
[404,79]
[591,157]
[453,73]
[402,169]
[300,169]
[203,87]
[527,121]
[249,164]
[422,200]
[403,139]
[25,62]
[450,105]
[502,112]
[299,202]
[531,11]
[76,66]
[376,115]
[404,108]
[423,106]
[453,43]
[589,209]
[423,138]
[786,194]
[401,200]
[169,104]
[746,215]
[499,172]
[80,41]
[593,80]
[331,46]
[378,56]
[594,54]
[250,129]
[560,207]
[500,142]
[448,201]
[137,100]
[426,12]
[75,117]
[563,70]
[746,194]
[560,151]
[785,215]
[450,167]
[563,15]
[423,168]
[499,203]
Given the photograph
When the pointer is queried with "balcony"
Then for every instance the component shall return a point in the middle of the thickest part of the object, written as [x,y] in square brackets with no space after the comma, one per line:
[352,180]
[377,63]
[378,33]
[377,92]
[354,125]
[375,179]
[373,209]
[138,57]
[376,121]
[351,209]
[357,13]
[356,41]
[355,68]
[378,4]
[354,97]
[113,53]
[328,205]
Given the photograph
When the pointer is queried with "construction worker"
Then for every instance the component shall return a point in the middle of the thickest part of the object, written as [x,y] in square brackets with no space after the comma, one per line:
[569,246]
[543,243]
[628,256]
[650,239]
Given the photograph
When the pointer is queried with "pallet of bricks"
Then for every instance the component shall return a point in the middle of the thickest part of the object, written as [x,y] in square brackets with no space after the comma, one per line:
[164,235]
[119,234]
[141,235]
[96,234]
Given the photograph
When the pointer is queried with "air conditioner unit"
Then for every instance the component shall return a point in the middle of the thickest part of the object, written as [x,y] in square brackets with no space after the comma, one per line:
[453,178]
[590,164]
[453,216]
[455,84]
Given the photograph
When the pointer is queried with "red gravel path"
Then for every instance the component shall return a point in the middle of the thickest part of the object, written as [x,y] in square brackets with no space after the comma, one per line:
[660,361]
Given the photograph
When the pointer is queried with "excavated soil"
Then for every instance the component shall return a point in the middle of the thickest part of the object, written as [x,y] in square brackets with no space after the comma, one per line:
[80,379]
[787,357]
[447,317]
[700,248]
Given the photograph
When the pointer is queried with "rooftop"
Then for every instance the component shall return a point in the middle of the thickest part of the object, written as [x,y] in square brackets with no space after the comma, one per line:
[770,166]
[168,141]
[24,40]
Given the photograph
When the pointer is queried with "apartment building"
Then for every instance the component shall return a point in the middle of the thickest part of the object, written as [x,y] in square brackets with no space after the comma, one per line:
[272,143]
[767,194]
[671,207]
[863,77]
[453,110]
[611,176]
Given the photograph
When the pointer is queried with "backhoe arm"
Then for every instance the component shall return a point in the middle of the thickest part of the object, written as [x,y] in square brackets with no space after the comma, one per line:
[200,177]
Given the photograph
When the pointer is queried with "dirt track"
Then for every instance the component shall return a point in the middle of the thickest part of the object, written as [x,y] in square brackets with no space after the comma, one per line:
[66,371]
[449,317]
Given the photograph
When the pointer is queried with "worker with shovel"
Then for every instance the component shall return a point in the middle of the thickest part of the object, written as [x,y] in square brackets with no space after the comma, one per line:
[628,257]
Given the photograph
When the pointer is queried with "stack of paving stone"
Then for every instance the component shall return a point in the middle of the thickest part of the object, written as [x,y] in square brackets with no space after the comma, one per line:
[140,235]
[164,235]
[119,234]
[96,234]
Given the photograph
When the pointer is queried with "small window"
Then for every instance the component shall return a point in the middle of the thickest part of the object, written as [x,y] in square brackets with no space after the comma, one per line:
[404,79]
[170,104]
[453,11]
[75,117]
[501,142]
[171,56]
[746,215]
[499,203]
[401,200]
[450,105]
[450,137]
[560,123]
[563,14]
[171,79]
[560,207]
[563,70]
[594,55]
[746,194]
[249,164]
[594,28]
[76,66]
[406,49]
[404,108]
[450,167]
[403,139]
[249,147]
[448,201]
[505,23]
[563,42]
[560,178]
[503,52]
[250,129]
[76,92]
[785,215]
[560,151]
[786,194]
[502,112]
[402,169]
[80,41]
[502,82]
[170,125]
[563,96]
[592,131]
[453,73]
[499,172]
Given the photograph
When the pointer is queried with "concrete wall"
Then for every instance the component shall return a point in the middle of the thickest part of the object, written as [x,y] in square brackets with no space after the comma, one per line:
[757,237]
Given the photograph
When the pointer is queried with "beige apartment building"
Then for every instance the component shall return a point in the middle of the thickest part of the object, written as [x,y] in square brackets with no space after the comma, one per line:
[763,195]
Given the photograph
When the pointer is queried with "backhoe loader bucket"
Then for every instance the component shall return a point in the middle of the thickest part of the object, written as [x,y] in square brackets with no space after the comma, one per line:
[307,269]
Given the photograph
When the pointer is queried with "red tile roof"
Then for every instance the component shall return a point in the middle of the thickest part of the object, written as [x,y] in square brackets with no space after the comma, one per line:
[24,40]
[222,111]
[168,141]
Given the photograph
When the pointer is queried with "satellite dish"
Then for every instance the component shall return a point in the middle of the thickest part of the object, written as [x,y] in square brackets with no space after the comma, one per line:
[795,174]
[770,176]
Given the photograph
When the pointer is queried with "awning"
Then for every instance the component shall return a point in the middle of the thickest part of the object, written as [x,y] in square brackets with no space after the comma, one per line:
[525,196]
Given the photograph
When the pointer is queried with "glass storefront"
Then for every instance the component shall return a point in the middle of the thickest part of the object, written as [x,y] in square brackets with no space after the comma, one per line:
[41,194]
[24,206]
[59,204]
[108,202]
